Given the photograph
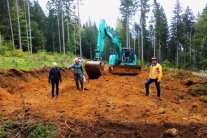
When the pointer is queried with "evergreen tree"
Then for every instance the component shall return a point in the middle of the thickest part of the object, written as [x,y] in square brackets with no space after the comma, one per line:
[176,40]
[200,42]
[145,44]
[187,21]
[89,39]
[161,31]
[127,8]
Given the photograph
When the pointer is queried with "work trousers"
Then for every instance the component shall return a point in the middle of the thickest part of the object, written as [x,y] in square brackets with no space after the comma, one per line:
[55,83]
[78,77]
[148,82]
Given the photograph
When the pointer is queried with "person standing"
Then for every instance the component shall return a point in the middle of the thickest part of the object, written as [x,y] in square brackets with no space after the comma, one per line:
[154,76]
[54,78]
[78,73]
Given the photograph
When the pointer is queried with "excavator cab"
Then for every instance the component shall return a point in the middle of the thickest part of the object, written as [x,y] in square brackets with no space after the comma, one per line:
[127,64]
[128,56]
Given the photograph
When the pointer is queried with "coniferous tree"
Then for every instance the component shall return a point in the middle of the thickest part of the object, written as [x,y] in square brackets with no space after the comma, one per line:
[187,21]
[161,31]
[127,8]
[176,33]
[200,41]
[89,39]
[10,23]
[145,45]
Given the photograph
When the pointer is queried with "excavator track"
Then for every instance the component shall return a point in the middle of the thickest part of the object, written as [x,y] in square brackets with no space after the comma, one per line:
[124,70]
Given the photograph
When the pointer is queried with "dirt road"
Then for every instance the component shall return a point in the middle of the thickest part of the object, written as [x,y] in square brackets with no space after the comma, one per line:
[112,106]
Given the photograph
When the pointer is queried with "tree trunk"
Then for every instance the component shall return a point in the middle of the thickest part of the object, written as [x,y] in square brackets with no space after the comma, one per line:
[58,21]
[129,37]
[142,40]
[43,43]
[190,44]
[79,31]
[30,28]
[0,41]
[53,43]
[11,26]
[127,32]
[59,31]
[134,44]
[25,10]
[74,42]
[160,60]
[138,46]
[63,28]
[154,42]
[68,28]
[19,29]
[91,52]
[177,55]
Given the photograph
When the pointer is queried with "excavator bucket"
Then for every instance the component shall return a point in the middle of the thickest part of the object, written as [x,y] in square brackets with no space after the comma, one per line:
[94,69]
[125,70]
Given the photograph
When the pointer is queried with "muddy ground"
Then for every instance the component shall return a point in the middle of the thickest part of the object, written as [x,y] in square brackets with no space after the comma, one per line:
[111,106]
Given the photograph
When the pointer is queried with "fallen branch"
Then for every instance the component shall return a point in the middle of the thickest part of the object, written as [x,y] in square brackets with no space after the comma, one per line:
[69,126]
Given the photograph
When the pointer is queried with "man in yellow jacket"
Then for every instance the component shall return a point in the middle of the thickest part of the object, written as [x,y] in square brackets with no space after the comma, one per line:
[154,76]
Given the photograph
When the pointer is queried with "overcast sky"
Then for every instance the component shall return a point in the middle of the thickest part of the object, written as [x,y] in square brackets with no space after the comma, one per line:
[109,9]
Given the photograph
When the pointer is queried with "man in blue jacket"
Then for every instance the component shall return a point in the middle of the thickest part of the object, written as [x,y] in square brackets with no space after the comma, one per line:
[54,78]
[78,73]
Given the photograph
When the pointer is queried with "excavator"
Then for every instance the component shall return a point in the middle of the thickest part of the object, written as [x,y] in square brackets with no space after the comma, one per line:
[123,62]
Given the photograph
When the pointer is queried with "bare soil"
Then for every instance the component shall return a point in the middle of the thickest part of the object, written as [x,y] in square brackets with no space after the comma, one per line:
[111,106]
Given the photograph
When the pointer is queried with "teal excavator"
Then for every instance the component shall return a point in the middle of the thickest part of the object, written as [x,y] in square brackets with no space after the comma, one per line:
[123,62]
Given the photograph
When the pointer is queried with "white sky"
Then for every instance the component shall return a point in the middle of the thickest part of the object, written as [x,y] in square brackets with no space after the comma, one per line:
[109,9]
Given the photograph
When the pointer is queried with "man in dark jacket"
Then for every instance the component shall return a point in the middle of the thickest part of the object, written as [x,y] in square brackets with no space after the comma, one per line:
[54,79]
[78,73]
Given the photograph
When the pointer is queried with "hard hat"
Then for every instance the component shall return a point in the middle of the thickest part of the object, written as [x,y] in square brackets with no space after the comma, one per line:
[154,58]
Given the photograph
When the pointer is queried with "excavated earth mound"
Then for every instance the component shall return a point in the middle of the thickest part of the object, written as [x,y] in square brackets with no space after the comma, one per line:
[111,106]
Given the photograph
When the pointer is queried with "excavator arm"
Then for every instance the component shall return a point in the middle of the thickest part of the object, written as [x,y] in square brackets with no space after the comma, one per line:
[95,68]
[100,42]
[106,31]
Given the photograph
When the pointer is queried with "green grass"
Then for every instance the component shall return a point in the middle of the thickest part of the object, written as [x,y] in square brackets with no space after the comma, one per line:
[198,89]
[44,131]
[23,61]
[2,133]
[10,128]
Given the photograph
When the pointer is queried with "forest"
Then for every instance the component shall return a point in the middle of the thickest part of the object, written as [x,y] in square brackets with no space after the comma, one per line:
[182,43]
